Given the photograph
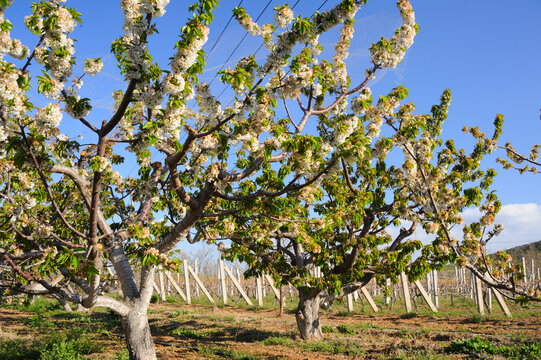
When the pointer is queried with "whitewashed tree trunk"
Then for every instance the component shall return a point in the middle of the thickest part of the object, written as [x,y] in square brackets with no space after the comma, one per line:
[307,314]
[138,336]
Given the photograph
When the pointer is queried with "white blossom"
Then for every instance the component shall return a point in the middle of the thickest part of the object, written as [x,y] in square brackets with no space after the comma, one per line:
[49,116]
[93,66]
[283,16]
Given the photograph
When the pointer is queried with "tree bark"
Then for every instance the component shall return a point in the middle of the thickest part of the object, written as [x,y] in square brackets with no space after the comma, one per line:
[307,314]
[138,336]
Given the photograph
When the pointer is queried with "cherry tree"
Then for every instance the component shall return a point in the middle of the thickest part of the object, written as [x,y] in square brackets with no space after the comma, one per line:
[66,211]
[391,173]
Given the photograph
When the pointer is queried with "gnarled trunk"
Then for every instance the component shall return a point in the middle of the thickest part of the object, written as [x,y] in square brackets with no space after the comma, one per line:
[307,314]
[138,337]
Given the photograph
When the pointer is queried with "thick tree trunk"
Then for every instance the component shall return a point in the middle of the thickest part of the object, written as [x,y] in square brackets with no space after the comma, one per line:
[138,337]
[307,314]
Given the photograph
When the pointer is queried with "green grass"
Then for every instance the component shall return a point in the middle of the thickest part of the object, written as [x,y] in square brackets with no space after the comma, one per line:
[409,315]
[279,340]
[43,306]
[477,319]
[337,346]
[189,333]
[347,329]
[327,329]
[57,346]
[38,321]
[483,349]
[208,351]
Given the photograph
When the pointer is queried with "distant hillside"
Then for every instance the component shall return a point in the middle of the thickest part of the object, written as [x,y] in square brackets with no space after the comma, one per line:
[528,251]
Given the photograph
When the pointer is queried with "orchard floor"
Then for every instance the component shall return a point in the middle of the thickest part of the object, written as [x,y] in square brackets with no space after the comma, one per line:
[202,331]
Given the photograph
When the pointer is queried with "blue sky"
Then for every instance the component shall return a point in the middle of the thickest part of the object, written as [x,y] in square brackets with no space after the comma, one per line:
[486,52]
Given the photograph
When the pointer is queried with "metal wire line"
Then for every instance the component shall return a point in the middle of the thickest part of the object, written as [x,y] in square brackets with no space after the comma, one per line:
[261,45]
[223,31]
[238,45]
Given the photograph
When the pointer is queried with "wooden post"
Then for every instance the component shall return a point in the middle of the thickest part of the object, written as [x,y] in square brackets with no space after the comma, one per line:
[472,281]
[238,285]
[201,285]
[175,285]
[500,300]
[369,299]
[155,287]
[356,295]
[479,296]
[425,295]
[187,282]
[406,292]
[238,276]
[489,300]
[222,280]
[524,272]
[388,284]
[435,287]
[349,298]
[428,282]
[162,285]
[196,271]
[259,289]
[271,284]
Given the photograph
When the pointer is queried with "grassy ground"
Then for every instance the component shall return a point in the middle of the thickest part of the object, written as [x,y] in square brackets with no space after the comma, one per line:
[43,331]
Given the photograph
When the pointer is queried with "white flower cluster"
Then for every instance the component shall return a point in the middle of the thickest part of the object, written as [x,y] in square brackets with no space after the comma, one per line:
[65,22]
[314,45]
[278,58]
[209,143]
[338,15]
[248,24]
[207,105]
[376,120]
[387,105]
[357,103]
[154,7]
[136,30]
[174,84]
[389,53]
[260,119]
[304,163]
[49,117]
[380,150]
[317,89]
[266,32]
[93,66]
[60,56]
[186,57]
[55,91]
[44,231]
[56,48]
[13,47]
[172,121]
[341,53]
[149,95]
[283,16]
[102,163]
[346,127]
[12,97]
[77,82]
